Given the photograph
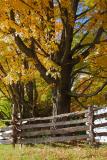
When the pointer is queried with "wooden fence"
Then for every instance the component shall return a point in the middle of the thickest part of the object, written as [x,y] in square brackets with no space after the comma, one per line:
[69,127]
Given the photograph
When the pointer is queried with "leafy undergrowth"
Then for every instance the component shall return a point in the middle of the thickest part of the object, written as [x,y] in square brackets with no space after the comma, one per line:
[50,152]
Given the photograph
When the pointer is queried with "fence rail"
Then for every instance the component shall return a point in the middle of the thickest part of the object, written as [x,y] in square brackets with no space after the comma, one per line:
[61,128]
[62,123]
[51,139]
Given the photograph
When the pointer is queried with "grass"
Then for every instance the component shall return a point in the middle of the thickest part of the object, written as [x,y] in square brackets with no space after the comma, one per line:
[49,152]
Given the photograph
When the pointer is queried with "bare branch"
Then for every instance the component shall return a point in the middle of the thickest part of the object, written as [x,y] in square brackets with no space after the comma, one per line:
[87,86]
[84,12]
[77,71]
[92,45]
[80,103]
[82,83]
[83,24]
[91,94]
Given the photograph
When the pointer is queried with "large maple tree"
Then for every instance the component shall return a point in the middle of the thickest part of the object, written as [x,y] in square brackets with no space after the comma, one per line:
[58,36]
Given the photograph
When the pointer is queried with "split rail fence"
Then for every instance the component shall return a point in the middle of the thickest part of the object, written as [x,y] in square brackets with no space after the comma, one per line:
[77,126]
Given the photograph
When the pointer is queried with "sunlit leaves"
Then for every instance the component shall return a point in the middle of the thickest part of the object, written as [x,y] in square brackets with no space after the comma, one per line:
[56,30]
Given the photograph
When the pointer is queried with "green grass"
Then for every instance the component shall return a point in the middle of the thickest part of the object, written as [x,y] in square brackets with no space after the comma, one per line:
[49,152]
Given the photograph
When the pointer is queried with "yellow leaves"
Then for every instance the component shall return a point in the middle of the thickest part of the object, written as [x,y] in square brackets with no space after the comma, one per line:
[4,6]
[58,26]
[27,75]
[98,59]
[54,72]
[99,14]
[32,20]
[45,3]
[7,49]
[3,45]
[90,2]
[56,11]
[67,4]
[16,71]
[10,61]
[9,54]
[102,48]
[53,47]
[48,46]
[10,78]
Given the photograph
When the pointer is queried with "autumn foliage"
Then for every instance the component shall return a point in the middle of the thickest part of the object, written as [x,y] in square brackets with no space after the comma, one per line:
[63,42]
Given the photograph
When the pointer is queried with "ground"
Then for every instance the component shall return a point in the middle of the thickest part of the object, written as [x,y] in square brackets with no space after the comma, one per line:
[56,152]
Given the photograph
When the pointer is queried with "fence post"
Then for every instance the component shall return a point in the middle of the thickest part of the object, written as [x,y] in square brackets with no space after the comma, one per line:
[14,123]
[20,124]
[54,112]
[91,125]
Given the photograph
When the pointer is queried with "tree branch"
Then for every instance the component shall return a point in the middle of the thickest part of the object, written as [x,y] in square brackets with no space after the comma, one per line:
[76,3]
[79,46]
[3,70]
[21,45]
[30,52]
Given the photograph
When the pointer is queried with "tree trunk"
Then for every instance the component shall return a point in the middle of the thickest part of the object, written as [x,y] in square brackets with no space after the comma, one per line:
[61,91]
[63,103]
[31,101]
[25,97]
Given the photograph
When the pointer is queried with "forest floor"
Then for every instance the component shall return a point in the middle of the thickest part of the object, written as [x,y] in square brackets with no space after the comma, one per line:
[50,152]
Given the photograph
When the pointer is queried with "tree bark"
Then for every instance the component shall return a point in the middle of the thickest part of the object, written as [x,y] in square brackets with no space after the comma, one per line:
[24,97]
[61,91]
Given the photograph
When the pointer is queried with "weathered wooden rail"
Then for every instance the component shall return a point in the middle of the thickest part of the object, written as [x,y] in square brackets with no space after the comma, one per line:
[69,127]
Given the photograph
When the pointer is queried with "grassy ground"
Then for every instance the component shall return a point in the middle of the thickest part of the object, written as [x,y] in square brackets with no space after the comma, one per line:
[49,152]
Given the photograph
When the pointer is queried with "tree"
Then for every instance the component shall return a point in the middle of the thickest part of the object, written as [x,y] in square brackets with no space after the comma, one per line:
[62,32]
[17,80]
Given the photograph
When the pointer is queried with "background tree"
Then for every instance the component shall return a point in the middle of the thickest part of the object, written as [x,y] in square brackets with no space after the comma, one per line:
[17,79]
